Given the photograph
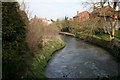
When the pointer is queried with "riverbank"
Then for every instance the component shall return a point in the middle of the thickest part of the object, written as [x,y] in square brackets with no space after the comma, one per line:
[78,59]
[112,47]
[66,33]
[40,60]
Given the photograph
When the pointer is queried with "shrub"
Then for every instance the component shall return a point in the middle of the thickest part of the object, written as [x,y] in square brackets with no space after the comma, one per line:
[13,41]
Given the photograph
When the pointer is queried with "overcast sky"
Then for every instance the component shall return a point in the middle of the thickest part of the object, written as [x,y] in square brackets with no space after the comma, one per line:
[53,9]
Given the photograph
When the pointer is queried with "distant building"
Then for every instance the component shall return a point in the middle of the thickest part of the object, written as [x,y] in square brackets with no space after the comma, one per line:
[106,11]
[83,16]
[44,20]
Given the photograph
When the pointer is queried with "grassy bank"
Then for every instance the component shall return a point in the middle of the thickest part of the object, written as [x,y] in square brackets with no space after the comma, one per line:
[103,41]
[38,63]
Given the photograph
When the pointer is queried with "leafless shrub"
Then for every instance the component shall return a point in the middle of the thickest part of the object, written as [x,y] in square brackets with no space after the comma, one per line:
[38,33]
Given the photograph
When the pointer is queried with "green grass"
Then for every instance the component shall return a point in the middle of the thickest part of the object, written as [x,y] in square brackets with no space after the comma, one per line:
[117,34]
[107,36]
[36,68]
[103,36]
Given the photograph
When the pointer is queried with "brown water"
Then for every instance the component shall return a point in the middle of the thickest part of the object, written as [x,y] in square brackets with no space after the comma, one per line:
[81,60]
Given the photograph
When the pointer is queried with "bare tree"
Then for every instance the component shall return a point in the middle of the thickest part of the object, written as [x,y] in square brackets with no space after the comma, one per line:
[24,5]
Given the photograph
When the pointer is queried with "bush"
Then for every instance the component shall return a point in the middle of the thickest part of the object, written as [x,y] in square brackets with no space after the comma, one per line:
[13,41]
[36,67]
[38,32]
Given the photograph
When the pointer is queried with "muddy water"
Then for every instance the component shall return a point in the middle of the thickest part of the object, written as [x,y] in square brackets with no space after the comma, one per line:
[81,60]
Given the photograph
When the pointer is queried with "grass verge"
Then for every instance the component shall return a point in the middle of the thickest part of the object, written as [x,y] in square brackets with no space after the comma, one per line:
[38,63]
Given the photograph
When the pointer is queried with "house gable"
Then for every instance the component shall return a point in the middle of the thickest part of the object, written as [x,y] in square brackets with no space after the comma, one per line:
[83,16]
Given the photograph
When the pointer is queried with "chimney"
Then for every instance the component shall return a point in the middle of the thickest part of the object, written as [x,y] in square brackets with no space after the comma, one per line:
[77,12]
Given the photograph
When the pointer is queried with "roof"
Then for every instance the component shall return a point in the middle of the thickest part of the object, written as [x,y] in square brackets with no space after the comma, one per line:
[79,14]
[39,19]
[105,11]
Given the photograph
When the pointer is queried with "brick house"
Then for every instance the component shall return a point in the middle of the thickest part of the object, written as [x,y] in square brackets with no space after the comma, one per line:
[83,16]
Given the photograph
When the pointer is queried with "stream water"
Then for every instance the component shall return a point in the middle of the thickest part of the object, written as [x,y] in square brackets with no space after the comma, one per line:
[81,60]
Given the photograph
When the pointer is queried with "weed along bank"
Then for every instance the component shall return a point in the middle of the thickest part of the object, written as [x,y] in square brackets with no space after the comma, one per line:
[43,40]
[41,58]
